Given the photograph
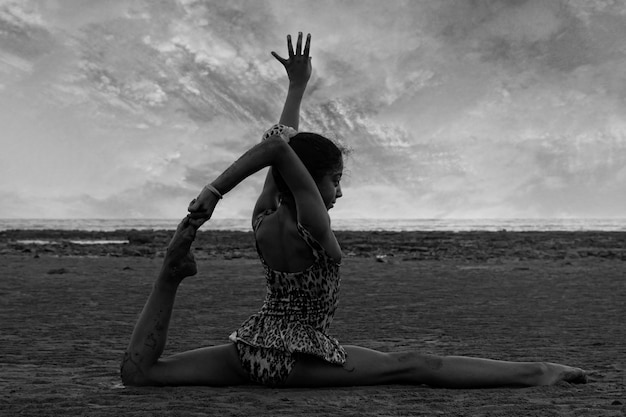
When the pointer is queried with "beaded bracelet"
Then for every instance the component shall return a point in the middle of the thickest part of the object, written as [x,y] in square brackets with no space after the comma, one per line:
[285,132]
[212,189]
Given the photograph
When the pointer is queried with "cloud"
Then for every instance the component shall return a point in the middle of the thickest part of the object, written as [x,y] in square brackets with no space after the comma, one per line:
[488,108]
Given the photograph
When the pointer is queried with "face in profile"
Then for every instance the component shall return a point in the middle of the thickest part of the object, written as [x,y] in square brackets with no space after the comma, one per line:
[330,187]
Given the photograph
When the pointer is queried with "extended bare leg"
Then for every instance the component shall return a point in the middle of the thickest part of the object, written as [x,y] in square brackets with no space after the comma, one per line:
[370,367]
[468,372]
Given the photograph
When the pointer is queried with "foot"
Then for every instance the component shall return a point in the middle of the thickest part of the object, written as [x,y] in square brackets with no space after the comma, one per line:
[555,373]
[179,261]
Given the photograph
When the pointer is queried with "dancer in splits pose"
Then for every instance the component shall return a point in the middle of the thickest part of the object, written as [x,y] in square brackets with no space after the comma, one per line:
[287,342]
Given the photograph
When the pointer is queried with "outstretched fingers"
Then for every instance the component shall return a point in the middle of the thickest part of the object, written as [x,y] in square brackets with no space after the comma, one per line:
[307,45]
[289,47]
[280,59]
[299,44]
[298,52]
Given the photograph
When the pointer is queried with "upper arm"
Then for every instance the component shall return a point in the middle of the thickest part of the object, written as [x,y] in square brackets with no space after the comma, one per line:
[290,116]
[268,199]
[312,212]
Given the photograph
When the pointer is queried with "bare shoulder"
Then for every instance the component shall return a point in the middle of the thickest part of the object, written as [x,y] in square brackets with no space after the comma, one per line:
[281,246]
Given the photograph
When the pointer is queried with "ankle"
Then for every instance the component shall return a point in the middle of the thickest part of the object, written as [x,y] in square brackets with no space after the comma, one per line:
[536,374]
[167,282]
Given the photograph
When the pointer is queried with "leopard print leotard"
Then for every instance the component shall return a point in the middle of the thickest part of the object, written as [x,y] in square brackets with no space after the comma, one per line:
[294,319]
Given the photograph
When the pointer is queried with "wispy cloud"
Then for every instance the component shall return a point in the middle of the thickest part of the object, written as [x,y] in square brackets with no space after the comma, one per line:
[485,108]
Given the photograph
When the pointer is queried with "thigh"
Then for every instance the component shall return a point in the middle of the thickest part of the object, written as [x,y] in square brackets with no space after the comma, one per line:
[266,366]
[212,366]
[362,367]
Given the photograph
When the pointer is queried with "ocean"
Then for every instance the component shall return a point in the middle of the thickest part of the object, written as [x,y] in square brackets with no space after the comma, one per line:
[453,225]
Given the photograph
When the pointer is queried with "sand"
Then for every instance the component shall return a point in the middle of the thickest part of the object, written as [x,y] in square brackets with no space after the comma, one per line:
[67,311]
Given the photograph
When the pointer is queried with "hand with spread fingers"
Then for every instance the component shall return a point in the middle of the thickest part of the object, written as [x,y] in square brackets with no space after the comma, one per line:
[298,64]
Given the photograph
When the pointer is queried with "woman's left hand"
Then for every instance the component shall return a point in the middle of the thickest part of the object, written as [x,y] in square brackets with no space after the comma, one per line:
[298,65]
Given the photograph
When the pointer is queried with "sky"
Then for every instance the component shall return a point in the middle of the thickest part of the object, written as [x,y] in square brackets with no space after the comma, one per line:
[450,108]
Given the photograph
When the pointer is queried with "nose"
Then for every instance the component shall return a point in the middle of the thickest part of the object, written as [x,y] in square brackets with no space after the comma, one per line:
[338,192]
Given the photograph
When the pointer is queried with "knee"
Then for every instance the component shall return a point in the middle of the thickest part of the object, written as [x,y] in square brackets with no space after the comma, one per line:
[131,374]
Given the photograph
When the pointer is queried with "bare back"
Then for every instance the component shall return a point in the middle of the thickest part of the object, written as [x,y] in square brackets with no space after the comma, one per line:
[281,246]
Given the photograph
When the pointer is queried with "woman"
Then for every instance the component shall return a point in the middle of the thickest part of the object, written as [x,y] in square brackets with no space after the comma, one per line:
[287,342]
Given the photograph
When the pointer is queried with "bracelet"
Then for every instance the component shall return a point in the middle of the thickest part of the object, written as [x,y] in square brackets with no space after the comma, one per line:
[212,189]
[285,132]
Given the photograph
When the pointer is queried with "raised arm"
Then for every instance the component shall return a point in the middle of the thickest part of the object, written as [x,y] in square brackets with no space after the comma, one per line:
[298,67]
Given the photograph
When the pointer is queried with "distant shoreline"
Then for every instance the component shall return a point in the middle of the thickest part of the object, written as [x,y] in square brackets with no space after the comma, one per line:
[395,225]
[383,245]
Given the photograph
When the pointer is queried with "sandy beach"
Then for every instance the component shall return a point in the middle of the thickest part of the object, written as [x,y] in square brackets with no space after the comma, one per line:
[67,309]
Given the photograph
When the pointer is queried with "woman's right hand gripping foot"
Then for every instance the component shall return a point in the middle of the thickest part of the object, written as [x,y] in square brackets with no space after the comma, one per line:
[201,208]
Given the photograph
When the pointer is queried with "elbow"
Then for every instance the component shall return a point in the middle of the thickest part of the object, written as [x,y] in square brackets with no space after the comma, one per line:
[279,149]
[277,144]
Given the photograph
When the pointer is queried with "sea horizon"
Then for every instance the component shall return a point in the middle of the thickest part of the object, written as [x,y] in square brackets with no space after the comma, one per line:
[394,225]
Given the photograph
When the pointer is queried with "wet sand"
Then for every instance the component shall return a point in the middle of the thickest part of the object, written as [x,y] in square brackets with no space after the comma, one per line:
[67,311]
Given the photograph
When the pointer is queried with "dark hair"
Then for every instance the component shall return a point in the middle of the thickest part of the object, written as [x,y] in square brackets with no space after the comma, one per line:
[319,155]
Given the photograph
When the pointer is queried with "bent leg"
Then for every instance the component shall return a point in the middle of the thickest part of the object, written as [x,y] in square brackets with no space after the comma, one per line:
[141,364]
[369,367]
[209,366]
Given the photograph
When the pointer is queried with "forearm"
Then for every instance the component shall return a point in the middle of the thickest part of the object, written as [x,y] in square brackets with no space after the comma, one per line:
[298,67]
[290,115]
[266,153]
[274,152]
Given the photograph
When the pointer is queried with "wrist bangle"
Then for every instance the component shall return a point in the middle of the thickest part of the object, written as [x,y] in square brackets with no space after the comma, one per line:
[212,189]
[285,132]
